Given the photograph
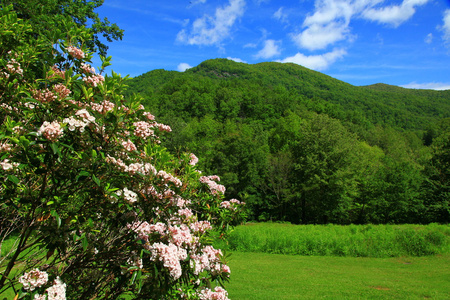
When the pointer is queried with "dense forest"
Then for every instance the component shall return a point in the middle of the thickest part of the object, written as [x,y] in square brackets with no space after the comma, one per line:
[297,145]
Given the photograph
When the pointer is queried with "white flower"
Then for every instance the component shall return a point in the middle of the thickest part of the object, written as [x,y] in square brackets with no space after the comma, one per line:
[33,279]
[57,291]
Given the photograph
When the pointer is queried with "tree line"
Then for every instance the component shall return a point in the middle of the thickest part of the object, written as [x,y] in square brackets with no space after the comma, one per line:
[302,147]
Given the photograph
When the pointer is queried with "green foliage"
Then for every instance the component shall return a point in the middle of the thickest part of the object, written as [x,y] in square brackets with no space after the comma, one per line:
[49,18]
[337,240]
[272,88]
[301,146]
[438,171]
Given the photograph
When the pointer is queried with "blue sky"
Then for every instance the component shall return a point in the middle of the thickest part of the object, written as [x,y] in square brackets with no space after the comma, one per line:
[404,42]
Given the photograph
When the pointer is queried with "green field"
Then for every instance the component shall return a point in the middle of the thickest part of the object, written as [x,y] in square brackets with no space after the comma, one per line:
[337,240]
[274,276]
[284,261]
[338,262]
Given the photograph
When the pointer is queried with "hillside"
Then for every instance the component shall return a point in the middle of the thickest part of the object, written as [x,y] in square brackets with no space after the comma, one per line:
[368,105]
[301,146]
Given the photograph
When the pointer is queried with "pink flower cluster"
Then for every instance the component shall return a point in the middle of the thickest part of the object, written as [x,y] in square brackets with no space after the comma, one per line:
[33,279]
[129,145]
[178,201]
[179,238]
[201,226]
[143,129]
[44,96]
[145,169]
[5,146]
[149,116]
[163,127]
[144,229]
[7,107]
[61,90]
[75,123]
[185,212]
[7,165]
[170,255]
[212,184]
[29,105]
[150,190]
[57,291]
[194,159]
[169,178]
[85,115]
[58,73]
[4,75]
[103,107]
[218,294]
[75,52]
[181,235]
[86,68]
[94,80]
[129,195]
[229,204]
[208,260]
[51,131]
[14,67]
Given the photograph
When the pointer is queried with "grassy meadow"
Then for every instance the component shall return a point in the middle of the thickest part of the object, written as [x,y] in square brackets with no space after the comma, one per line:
[284,261]
[339,240]
[263,276]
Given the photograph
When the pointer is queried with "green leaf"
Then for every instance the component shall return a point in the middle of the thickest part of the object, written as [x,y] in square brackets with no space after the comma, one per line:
[82,175]
[96,180]
[84,242]
[133,278]
[13,178]
[54,148]
[56,215]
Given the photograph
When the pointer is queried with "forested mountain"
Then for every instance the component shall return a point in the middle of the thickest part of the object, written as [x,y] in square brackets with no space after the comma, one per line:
[301,146]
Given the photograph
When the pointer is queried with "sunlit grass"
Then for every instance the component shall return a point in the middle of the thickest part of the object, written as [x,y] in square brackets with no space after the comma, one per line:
[337,240]
[274,276]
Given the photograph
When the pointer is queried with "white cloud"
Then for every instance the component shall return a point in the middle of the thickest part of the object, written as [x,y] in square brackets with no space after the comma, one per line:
[429,38]
[250,45]
[394,14]
[270,49]
[280,15]
[331,10]
[183,67]
[195,2]
[319,36]
[236,59]
[446,27]
[330,21]
[428,86]
[212,30]
[327,25]
[316,62]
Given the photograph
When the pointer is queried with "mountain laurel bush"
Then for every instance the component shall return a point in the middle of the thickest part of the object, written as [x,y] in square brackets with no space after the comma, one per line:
[97,206]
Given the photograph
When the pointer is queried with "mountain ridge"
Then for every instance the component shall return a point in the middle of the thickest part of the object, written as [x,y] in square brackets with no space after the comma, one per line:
[380,104]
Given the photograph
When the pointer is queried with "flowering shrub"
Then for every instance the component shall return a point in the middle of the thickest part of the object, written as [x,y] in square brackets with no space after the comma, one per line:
[100,207]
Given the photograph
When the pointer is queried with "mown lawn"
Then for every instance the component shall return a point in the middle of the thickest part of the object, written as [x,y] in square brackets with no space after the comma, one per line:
[275,276]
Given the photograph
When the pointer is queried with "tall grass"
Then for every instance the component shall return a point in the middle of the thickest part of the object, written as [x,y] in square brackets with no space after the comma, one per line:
[337,240]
